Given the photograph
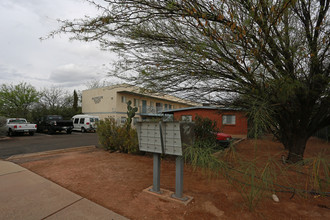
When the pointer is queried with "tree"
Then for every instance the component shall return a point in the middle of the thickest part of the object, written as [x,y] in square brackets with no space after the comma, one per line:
[274,52]
[17,100]
[52,98]
[93,84]
[3,129]
[56,101]
[75,101]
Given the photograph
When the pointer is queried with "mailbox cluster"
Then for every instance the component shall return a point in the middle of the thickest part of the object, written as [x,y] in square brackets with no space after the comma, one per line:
[149,137]
[165,138]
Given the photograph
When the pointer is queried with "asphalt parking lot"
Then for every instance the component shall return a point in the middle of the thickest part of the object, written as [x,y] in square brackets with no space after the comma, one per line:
[40,142]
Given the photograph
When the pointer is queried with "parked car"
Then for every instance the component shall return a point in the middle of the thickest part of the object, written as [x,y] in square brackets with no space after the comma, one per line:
[53,123]
[224,139]
[19,126]
[85,123]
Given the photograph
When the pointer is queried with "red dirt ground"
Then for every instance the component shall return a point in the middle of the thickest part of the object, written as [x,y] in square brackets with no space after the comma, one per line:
[116,181]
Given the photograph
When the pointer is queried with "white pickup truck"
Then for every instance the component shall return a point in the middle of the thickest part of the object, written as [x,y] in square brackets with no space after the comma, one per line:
[20,126]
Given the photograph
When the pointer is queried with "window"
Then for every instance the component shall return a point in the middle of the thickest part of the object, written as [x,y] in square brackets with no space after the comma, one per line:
[159,107]
[123,120]
[123,99]
[170,106]
[54,117]
[144,106]
[228,119]
[186,118]
[135,120]
[166,106]
[136,102]
[168,117]
[82,121]
[76,120]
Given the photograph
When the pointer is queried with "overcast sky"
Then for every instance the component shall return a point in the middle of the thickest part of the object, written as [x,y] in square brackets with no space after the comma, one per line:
[54,62]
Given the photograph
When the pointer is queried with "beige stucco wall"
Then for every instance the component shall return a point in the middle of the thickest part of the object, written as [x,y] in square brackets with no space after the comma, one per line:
[100,102]
[107,102]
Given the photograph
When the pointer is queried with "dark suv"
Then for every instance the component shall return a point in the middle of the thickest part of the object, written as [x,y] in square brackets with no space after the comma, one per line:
[53,123]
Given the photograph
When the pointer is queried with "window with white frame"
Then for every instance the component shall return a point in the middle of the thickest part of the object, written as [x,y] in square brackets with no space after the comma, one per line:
[136,102]
[229,119]
[123,99]
[186,118]
[123,120]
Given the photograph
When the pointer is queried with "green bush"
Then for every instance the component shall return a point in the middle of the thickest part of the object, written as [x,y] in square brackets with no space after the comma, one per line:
[3,130]
[205,132]
[200,154]
[114,137]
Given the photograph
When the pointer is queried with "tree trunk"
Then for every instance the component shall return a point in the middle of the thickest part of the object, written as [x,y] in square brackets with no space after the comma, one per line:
[297,149]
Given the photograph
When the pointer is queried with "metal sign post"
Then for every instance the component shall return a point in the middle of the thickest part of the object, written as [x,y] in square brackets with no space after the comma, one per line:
[156,174]
[156,163]
[179,179]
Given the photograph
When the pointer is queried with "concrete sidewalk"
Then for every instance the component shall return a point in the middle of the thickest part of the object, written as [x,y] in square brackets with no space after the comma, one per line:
[26,195]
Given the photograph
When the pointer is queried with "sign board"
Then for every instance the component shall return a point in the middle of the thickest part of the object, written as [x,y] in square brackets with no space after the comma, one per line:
[164,137]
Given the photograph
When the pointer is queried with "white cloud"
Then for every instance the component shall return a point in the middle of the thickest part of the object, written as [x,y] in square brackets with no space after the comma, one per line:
[72,73]
[23,57]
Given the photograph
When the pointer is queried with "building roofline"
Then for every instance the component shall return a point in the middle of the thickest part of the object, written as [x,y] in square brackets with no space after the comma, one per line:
[131,89]
[200,107]
[179,101]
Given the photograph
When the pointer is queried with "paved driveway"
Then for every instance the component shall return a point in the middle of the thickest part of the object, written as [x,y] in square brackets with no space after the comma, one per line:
[44,142]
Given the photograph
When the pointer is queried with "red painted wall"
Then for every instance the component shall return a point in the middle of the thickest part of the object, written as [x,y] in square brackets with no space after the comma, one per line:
[240,126]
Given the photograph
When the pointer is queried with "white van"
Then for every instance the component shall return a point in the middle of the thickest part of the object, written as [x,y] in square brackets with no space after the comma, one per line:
[84,123]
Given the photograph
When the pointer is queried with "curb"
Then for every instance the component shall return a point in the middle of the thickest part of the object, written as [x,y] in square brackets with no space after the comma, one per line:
[44,153]
[4,138]
[238,141]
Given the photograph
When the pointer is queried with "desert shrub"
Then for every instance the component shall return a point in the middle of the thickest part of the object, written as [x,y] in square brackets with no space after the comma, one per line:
[205,129]
[205,159]
[200,153]
[253,181]
[114,137]
[3,130]
[205,133]
[315,172]
[259,177]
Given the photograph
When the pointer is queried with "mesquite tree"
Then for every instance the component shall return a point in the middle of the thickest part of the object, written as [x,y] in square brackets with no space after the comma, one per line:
[17,100]
[272,52]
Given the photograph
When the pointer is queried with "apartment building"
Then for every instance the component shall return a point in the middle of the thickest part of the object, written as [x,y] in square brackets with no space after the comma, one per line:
[112,102]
